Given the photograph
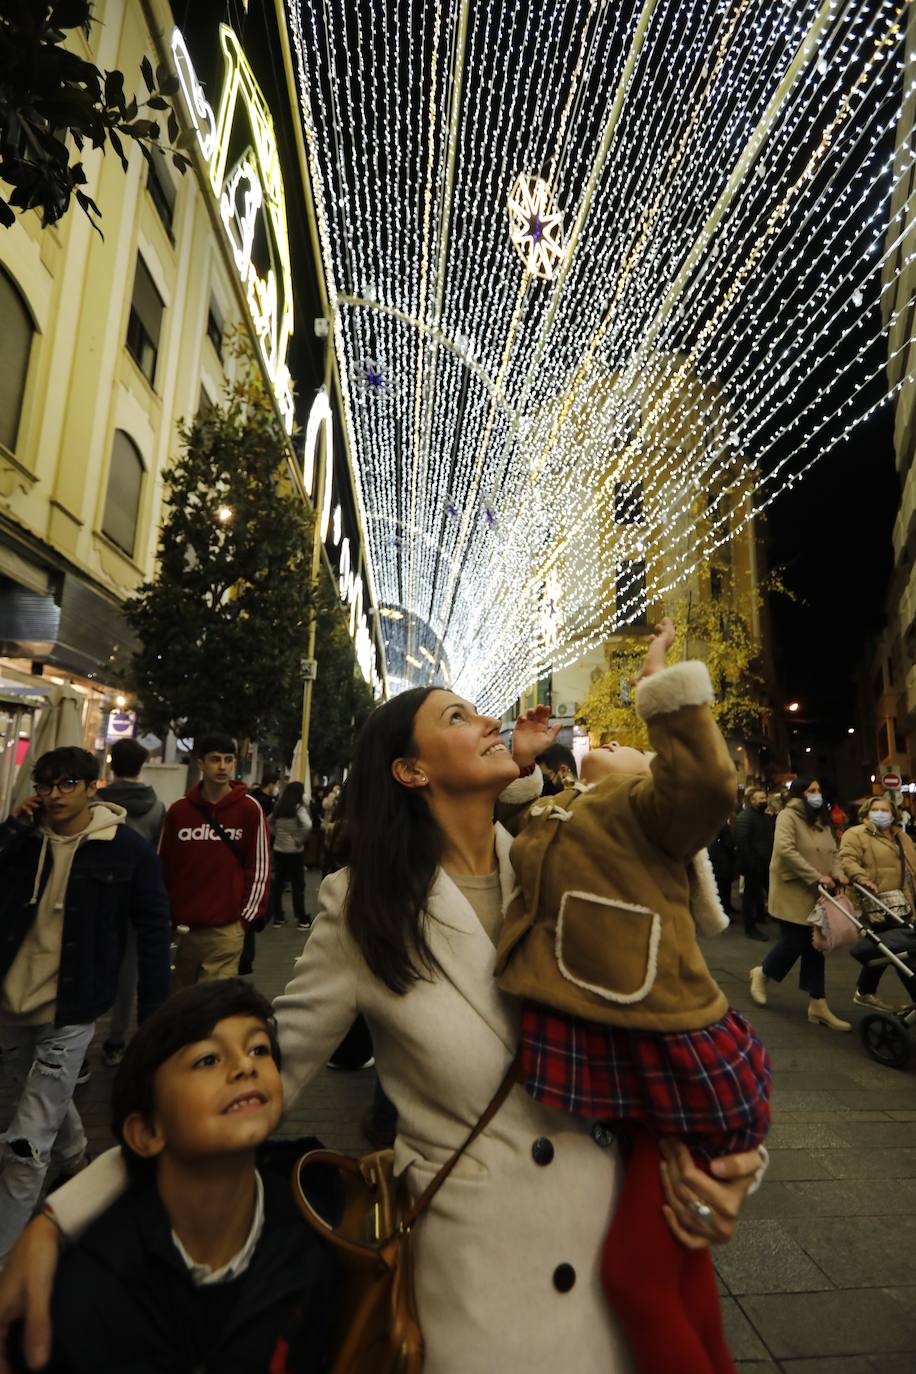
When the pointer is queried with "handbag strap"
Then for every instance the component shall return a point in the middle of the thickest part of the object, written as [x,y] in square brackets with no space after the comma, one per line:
[413,1213]
[214,824]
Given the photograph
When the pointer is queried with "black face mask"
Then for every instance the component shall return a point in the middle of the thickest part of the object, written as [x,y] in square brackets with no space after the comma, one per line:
[759,806]
[551,786]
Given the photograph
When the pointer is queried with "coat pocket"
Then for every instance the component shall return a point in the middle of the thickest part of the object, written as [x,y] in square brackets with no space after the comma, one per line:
[608,947]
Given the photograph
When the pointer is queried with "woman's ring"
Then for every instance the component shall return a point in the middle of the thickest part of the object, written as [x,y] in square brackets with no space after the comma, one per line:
[701,1210]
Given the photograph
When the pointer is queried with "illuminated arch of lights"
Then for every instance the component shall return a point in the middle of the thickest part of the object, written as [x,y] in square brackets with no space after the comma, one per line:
[580,248]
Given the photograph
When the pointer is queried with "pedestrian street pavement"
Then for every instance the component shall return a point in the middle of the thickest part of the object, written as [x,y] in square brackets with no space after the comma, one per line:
[821,1277]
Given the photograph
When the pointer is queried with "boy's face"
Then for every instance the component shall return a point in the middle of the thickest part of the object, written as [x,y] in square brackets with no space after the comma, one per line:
[219,1096]
[218,768]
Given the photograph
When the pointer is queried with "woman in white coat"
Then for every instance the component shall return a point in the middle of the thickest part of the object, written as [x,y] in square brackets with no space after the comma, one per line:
[508,1253]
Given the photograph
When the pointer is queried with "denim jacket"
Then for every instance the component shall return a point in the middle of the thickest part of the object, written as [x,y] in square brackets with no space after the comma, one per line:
[110,884]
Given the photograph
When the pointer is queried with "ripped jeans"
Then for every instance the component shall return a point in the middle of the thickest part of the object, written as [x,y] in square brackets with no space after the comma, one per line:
[43,1062]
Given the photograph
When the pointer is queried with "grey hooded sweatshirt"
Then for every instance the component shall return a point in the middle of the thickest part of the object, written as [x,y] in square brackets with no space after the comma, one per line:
[145,812]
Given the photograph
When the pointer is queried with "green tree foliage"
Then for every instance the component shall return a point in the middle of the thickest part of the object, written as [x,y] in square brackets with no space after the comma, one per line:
[341,697]
[719,634]
[224,624]
[48,92]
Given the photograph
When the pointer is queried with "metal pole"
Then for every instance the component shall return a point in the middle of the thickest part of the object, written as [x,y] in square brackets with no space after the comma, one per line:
[317,550]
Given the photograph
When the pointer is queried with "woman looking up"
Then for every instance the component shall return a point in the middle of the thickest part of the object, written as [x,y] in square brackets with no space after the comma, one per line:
[508,1254]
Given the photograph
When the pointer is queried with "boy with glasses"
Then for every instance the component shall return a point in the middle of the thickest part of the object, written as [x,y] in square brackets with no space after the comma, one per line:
[73,877]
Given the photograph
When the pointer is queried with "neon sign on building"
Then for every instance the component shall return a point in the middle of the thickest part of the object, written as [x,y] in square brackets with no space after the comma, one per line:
[252,187]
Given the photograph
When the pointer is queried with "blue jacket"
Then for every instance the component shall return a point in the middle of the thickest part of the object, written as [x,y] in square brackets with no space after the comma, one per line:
[110,883]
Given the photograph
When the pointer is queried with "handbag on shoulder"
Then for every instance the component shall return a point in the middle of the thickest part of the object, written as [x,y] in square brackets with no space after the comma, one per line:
[360,1208]
[894,899]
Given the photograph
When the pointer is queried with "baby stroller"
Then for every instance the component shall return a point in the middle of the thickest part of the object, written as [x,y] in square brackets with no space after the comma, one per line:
[885,1035]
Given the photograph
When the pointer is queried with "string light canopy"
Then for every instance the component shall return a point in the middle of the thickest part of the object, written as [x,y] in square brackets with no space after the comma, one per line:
[581,249]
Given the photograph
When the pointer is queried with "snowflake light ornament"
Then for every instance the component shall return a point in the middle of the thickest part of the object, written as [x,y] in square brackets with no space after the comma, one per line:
[536,226]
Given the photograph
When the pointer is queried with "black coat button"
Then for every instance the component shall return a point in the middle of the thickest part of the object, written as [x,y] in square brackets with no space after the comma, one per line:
[542,1151]
[602,1135]
[564,1276]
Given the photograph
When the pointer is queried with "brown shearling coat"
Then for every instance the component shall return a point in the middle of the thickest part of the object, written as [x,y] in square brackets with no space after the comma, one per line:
[869,854]
[801,853]
[601,926]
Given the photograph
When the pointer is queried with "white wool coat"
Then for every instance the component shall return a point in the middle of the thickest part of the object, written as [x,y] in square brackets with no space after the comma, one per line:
[494,1235]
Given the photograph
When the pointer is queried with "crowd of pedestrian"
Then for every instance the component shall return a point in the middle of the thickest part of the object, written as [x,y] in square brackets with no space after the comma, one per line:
[185,1250]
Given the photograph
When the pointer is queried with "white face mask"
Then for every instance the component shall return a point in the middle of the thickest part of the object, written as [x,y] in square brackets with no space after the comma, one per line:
[814,799]
[904,819]
[881,819]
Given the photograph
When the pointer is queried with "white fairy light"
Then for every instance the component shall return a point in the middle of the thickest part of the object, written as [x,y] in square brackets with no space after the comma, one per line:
[709,327]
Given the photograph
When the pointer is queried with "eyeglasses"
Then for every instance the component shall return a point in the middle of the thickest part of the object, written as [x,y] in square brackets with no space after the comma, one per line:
[63,785]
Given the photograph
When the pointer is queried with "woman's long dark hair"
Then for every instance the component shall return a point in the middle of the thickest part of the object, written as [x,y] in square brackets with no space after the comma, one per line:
[797,788]
[395,848]
[290,800]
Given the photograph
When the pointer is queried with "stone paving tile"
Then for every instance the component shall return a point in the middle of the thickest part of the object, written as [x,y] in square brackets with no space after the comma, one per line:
[757,1367]
[861,1252]
[765,1258]
[743,1340]
[834,1364]
[832,1198]
[888,1098]
[865,1321]
[793,1164]
[856,1164]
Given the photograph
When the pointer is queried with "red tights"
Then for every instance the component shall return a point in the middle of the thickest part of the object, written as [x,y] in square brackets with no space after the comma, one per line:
[663,1294]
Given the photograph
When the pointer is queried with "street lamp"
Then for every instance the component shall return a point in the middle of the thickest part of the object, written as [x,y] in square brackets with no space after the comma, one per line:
[793,706]
[223,514]
[851,730]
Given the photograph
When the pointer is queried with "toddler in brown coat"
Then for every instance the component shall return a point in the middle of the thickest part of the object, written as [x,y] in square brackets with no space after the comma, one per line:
[622,1021]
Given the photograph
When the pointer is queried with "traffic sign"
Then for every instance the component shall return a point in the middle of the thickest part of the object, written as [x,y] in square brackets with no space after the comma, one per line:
[891,781]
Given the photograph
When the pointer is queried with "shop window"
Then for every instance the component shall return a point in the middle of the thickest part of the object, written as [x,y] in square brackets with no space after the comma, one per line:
[145,322]
[628,503]
[122,499]
[215,329]
[15,349]
[161,190]
[631,592]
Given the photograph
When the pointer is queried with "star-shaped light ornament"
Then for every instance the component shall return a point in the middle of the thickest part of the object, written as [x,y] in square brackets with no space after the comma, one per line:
[370,377]
[536,226]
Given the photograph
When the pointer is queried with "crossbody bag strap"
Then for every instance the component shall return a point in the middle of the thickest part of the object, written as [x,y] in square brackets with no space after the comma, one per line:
[412,1214]
[227,840]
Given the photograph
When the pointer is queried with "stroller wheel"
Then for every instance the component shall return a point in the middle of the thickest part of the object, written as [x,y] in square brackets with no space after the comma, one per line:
[886,1039]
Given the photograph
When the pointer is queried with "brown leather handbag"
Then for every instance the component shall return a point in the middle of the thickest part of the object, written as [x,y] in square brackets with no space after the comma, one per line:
[361,1208]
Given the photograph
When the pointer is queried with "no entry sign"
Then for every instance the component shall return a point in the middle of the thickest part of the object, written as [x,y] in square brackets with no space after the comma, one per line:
[891,781]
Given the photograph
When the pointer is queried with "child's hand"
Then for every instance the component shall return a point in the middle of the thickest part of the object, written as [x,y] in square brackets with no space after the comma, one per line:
[532,735]
[661,642]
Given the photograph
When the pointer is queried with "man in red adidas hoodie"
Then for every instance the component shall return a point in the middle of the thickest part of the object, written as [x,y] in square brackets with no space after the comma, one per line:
[216,864]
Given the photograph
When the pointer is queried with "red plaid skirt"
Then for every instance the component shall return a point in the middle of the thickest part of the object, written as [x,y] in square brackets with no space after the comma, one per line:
[711,1087]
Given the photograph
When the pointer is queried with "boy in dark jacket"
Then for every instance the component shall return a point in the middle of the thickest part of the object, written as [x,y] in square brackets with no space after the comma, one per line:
[73,878]
[204,1264]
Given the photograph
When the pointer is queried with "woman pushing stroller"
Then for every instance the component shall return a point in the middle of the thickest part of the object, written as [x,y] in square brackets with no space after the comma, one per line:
[879,855]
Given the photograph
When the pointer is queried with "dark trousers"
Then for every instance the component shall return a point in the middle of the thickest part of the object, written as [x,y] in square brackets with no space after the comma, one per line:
[794,945]
[754,900]
[870,977]
[288,868]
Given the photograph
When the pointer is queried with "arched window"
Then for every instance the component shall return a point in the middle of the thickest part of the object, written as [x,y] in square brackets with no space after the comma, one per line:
[122,500]
[16,330]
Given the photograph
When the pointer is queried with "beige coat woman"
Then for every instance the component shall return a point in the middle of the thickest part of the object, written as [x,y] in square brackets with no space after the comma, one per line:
[801,853]
[488,1251]
[869,855]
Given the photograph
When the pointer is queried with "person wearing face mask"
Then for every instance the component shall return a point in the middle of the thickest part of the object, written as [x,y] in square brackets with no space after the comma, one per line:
[878,854]
[805,857]
[558,767]
[754,831]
